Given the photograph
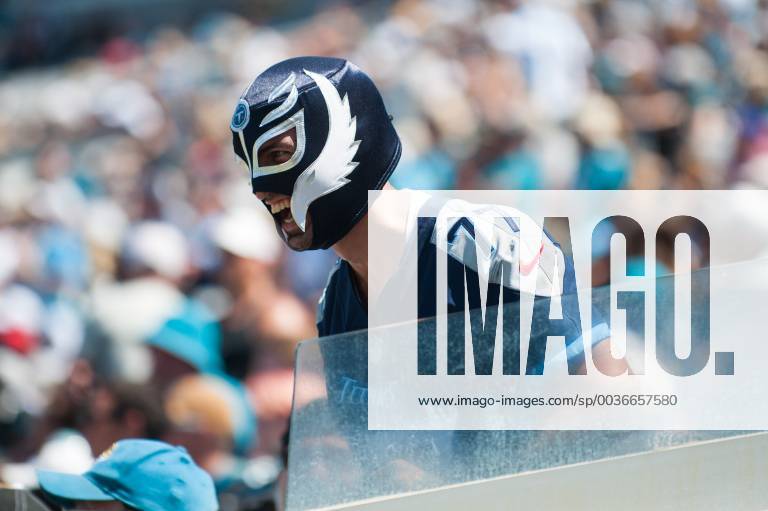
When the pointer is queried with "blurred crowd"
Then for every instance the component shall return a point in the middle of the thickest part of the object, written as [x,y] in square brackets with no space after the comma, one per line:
[143,289]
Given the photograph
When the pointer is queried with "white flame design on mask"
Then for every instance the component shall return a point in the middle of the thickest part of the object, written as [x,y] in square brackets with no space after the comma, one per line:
[329,171]
[293,95]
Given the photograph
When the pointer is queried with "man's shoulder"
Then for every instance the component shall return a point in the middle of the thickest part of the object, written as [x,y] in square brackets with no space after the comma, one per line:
[328,297]
[503,243]
[340,309]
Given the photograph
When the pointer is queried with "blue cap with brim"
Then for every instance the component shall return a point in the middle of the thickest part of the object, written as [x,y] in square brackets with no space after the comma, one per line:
[143,474]
[71,486]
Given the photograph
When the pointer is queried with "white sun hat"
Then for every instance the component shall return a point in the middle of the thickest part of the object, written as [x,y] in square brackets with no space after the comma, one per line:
[159,246]
[249,233]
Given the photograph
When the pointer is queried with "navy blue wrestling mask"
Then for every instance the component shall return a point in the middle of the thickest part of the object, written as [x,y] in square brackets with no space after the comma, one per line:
[345,143]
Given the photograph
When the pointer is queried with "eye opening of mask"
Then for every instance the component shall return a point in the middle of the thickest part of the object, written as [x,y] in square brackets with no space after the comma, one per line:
[278,149]
[296,123]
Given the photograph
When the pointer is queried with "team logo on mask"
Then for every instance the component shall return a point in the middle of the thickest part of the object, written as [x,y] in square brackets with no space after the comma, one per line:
[241,116]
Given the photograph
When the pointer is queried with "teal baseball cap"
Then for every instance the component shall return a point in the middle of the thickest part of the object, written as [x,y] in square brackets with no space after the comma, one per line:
[143,474]
[193,336]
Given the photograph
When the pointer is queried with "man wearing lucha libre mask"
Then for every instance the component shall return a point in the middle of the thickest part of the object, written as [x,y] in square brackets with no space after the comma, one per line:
[316,137]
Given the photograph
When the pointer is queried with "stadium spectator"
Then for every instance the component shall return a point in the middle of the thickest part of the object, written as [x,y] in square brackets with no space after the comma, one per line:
[141,475]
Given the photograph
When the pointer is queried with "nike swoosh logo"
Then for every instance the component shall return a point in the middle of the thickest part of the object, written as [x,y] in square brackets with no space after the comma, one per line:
[526,268]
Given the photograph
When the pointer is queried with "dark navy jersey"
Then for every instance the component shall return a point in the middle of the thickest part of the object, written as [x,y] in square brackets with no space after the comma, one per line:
[341,309]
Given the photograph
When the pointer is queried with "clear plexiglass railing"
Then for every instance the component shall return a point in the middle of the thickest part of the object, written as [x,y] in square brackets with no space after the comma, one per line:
[334,458]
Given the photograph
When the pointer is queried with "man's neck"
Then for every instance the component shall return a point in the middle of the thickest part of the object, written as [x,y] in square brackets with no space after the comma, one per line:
[353,248]
[387,219]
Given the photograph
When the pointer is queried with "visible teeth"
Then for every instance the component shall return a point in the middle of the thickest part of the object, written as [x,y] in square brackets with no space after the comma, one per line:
[277,207]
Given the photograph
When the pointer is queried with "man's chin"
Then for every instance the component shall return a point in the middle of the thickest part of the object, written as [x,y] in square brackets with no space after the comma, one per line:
[299,242]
